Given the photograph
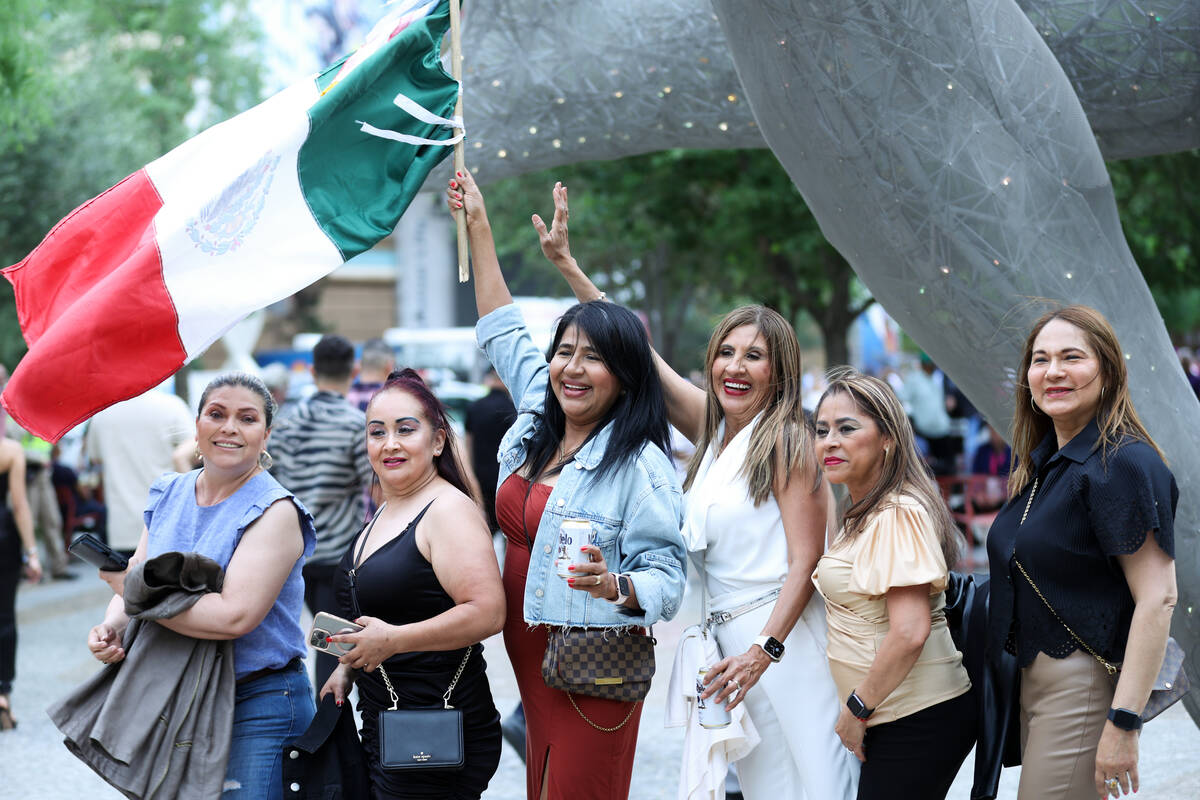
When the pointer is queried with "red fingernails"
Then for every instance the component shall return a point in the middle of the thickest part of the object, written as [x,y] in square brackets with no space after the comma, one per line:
[570,581]
[583,549]
[453,184]
[571,568]
[459,174]
[339,703]
[459,205]
[328,640]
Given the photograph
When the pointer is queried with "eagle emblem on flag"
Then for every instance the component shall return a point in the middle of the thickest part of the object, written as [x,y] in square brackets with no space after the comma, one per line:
[223,224]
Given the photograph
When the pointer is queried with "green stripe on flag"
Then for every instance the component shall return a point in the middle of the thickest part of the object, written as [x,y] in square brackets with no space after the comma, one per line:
[357,184]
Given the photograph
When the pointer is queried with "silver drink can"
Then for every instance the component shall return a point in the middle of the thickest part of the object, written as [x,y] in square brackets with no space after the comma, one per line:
[712,714]
[573,536]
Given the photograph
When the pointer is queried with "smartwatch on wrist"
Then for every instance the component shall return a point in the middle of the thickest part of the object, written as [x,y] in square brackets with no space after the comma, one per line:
[1125,719]
[771,646]
[857,707]
[624,589]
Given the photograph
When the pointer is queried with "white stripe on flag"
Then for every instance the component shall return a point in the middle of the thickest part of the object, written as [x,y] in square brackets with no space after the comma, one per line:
[272,244]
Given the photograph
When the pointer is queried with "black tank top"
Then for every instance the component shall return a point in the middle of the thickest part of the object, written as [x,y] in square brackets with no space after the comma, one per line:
[398,585]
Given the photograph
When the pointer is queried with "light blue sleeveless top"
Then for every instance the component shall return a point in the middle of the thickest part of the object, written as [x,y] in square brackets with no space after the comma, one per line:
[176,522]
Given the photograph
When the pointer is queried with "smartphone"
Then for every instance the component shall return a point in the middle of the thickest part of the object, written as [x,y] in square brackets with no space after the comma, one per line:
[327,625]
[95,552]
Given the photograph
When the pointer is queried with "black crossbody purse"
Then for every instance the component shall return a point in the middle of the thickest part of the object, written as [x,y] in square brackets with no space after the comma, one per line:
[416,738]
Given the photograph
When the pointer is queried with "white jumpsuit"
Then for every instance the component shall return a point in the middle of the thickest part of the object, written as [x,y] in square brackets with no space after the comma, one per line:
[794,706]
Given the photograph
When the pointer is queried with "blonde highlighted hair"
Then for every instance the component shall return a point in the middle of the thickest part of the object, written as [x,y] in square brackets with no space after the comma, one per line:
[781,440]
[904,471]
[1115,414]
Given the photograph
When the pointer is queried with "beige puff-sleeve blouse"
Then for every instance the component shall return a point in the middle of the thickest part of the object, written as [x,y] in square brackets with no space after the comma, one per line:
[898,547]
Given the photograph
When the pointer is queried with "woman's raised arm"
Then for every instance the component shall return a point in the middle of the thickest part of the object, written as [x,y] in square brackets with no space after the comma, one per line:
[685,401]
[491,290]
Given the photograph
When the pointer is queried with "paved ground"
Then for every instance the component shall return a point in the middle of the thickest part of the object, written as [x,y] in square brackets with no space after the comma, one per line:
[54,619]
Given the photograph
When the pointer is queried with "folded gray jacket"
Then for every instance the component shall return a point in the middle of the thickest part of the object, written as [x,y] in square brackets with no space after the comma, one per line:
[158,724]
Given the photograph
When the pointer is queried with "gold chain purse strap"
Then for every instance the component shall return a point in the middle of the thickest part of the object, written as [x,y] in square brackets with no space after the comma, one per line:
[445,697]
[1112,669]
[632,707]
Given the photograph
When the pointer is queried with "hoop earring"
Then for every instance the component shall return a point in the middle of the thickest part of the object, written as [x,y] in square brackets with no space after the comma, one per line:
[1032,404]
[197,455]
[265,461]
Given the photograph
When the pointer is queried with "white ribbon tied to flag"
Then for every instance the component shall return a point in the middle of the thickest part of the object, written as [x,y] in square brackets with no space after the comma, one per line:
[419,112]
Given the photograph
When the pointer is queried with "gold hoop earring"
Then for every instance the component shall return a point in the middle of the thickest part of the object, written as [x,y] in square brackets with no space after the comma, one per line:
[1032,404]
[265,461]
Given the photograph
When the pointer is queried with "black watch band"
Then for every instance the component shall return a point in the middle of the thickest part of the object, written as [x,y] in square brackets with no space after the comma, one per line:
[857,707]
[1125,719]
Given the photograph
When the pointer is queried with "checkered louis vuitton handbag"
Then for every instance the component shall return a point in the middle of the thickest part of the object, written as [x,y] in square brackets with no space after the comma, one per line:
[610,663]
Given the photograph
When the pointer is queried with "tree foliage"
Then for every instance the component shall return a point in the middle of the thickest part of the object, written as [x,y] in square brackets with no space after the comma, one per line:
[1159,201]
[114,85]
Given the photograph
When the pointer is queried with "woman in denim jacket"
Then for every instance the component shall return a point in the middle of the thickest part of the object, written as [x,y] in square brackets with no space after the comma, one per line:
[590,442]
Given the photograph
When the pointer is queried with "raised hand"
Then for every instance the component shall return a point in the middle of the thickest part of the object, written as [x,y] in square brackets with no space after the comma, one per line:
[555,245]
[462,194]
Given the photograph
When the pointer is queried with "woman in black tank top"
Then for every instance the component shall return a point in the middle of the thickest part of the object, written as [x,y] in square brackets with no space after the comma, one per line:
[422,579]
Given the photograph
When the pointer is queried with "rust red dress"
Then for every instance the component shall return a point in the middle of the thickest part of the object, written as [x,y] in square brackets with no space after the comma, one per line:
[584,763]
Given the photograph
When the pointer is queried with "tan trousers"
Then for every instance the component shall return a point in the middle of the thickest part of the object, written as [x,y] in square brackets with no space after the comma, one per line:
[1064,704]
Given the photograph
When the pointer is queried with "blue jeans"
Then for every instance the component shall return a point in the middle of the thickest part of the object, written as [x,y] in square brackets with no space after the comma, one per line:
[269,711]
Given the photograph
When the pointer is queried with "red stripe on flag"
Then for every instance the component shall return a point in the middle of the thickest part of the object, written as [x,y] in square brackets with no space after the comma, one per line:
[95,311]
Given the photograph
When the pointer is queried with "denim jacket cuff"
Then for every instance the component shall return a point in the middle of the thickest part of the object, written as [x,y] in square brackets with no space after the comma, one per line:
[647,585]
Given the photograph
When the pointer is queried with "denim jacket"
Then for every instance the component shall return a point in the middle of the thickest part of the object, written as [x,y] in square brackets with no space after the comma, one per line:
[635,512]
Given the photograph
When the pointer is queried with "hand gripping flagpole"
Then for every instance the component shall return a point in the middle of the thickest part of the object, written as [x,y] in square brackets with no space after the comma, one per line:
[460,163]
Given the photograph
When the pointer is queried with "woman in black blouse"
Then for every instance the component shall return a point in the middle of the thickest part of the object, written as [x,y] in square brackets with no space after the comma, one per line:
[1089,523]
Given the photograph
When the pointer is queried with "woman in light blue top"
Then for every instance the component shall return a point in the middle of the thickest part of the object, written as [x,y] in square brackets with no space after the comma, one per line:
[234,512]
[590,442]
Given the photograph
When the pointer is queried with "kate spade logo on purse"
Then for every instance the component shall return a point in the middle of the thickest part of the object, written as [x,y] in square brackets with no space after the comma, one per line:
[419,757]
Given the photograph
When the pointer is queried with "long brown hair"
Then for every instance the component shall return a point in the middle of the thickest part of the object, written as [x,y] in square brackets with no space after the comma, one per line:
[1115,413]
[904,471]
[783,421]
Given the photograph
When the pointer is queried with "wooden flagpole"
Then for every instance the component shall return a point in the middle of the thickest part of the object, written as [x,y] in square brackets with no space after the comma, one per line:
[460,162]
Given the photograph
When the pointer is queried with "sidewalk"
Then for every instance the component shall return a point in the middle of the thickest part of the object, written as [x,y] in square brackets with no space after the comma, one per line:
[54,619]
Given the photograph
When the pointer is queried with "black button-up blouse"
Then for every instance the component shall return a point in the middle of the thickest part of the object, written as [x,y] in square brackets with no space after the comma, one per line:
[1088,509]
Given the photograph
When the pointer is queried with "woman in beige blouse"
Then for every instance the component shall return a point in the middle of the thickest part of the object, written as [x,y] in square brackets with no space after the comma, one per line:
[909,714]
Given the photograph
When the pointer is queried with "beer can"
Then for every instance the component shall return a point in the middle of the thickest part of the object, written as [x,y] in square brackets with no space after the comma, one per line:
[573,536]
[712,714]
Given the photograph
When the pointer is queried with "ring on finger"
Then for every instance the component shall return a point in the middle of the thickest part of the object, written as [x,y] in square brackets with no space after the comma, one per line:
[1113,785]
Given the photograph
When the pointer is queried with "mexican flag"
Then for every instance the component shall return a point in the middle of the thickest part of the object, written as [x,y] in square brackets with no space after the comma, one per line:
[136,282]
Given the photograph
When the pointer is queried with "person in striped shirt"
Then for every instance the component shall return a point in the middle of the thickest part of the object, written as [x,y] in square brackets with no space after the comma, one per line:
[320,455]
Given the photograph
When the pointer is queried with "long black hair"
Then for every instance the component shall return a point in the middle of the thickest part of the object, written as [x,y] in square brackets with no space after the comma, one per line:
[640,411]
